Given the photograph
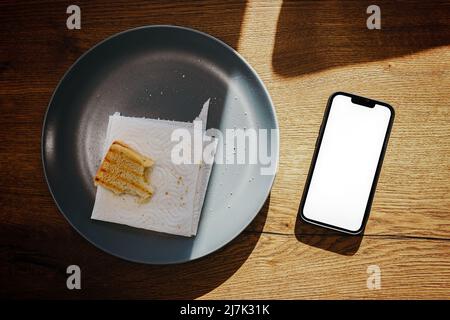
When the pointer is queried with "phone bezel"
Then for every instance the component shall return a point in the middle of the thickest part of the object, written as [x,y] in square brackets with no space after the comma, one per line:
[377,172]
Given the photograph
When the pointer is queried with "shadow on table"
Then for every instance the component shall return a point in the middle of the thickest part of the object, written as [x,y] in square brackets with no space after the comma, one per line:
[194,279]
[61,47]
[317,35]
[39,268]
[325,239]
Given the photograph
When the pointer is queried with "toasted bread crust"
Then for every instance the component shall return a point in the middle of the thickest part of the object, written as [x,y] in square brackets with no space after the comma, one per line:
[134,155]
[124,170]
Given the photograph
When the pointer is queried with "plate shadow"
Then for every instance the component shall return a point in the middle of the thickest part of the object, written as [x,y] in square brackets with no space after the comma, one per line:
[33,272]
[199,277]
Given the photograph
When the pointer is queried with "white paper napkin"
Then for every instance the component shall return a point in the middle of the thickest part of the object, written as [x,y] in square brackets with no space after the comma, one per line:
[179,189]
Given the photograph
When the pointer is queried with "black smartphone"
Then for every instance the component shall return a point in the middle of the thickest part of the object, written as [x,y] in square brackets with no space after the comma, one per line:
[347,161]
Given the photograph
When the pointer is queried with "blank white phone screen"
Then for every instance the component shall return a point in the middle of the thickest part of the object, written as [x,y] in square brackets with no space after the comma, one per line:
[346,163]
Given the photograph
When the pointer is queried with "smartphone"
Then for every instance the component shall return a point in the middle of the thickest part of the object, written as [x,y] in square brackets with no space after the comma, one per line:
[347,161]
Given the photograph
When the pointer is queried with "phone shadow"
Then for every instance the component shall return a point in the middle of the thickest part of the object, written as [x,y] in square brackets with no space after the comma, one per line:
[322,238]
[325,239]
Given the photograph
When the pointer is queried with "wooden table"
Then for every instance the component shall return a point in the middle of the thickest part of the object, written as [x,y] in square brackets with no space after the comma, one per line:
[303,52]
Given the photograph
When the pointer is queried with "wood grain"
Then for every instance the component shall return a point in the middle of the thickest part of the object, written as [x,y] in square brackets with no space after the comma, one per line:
[303,51]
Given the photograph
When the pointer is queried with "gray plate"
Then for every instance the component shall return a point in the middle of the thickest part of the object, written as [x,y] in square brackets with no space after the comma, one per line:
[157,72]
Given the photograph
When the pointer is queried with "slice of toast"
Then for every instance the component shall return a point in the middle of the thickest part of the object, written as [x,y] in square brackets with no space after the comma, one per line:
[124,170]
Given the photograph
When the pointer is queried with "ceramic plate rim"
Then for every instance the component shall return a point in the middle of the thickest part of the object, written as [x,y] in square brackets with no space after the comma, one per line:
[226,47]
